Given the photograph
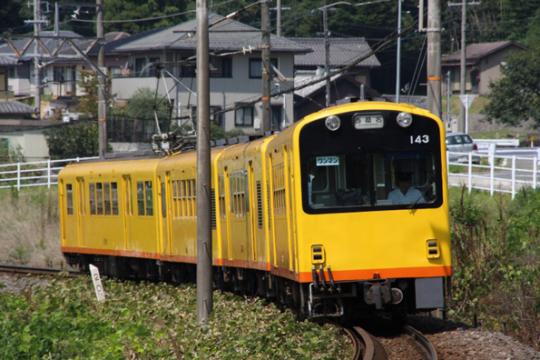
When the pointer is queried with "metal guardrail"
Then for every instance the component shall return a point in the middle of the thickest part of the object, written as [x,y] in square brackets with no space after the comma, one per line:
[493,173]
[35,173]
[485,143]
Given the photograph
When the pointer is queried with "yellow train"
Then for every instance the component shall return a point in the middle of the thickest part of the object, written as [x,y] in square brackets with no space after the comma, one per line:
[345,211]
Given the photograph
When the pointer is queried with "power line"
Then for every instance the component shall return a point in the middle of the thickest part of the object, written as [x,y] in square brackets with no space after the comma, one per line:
[152,18]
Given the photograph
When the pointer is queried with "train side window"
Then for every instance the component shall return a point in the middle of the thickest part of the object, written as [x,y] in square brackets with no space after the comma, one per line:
[92,191]
[114,196]
[69,199]
[107,197]
[193,198]
[99,200]
[149,200]
[140,198]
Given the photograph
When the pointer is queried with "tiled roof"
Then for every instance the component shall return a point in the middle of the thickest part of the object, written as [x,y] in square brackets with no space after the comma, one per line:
[228,35]
[8,60]
[343,51]
[15,107]
[478,51]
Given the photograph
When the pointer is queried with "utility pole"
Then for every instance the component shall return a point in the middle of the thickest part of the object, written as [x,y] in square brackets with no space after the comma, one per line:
[265,64]
[398,55]
[448,96]
[37,69]
[102,105]
[278,18]
[326,53]
[434,56]
[204,232]
[462,63]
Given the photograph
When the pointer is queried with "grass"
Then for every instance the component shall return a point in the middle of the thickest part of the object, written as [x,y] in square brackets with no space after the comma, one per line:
[30,231]
[154,321]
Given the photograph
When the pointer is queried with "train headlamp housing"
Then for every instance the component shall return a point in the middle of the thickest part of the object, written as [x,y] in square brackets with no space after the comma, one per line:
[333,123]
[404,119]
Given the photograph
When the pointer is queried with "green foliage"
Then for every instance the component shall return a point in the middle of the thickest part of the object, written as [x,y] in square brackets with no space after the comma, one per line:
[154,321]
[516,97]
[73,140]
[88,103]
[136,9]
[496,248]
[142,104]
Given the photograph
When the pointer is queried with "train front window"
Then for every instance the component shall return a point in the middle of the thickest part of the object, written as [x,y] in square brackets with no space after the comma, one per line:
[378,169]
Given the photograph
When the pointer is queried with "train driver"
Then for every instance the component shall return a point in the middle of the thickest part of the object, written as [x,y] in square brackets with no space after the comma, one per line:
[405,193]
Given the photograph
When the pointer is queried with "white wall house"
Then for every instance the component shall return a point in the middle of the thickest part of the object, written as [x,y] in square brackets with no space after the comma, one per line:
[235,70]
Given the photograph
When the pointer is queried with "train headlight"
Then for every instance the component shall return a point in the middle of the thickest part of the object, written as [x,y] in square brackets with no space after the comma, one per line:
[404,119]
[333,123]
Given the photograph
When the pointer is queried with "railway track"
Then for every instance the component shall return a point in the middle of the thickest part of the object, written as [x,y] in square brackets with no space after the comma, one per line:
[367,347]
[15,269]
[424,345]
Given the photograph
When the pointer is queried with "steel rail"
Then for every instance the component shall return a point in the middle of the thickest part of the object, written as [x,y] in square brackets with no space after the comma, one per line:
[15,269]
[428,350]
[366,347]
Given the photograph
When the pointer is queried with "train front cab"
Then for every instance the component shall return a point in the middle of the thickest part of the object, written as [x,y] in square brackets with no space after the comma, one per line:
[363,246]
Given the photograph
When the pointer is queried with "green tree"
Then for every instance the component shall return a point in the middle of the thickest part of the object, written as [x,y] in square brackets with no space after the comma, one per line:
[143,103]
[137,9]
[70,141]
[516,97]
[88,103]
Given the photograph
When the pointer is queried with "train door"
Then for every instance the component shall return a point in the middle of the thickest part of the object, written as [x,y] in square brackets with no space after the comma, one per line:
[288,208]
[168,188]
[127,209]
[228,207]
[252,214]
[271,212]
[80,210]
[163,219]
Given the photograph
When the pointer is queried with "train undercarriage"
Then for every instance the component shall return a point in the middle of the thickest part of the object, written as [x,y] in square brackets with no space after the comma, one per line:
[322,298]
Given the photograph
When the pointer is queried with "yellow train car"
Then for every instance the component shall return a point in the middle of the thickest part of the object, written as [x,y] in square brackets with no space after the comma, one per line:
[346,211]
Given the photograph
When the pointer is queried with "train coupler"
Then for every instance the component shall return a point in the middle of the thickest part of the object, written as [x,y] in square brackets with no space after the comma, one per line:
[381,293]
[322,304]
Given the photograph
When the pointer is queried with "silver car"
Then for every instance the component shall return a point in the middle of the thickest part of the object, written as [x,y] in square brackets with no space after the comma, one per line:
[461,143]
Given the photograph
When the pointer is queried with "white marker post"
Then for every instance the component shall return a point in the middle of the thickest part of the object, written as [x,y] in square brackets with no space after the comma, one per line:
[467,101]
[98,286]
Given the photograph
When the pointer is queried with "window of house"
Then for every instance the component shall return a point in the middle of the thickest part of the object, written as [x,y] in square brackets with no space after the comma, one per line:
[243,115]
[139,66]
[69,199]
[277,113]
[255,67]
[221,67]
[216,116]
[58,74]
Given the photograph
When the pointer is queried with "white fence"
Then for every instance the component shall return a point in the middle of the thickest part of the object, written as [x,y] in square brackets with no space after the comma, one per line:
[493,173]
[35,173]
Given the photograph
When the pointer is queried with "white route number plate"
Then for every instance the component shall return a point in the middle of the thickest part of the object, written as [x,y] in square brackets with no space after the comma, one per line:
[327,160]
[98,286]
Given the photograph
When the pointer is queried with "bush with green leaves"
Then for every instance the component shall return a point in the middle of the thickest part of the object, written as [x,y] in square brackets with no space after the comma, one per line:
[70,141]
[496,248]
[154,321]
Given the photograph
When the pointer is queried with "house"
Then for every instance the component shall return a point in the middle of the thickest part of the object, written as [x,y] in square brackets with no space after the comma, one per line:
[353,83]
[235,71]
[483,65]
[60,64]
